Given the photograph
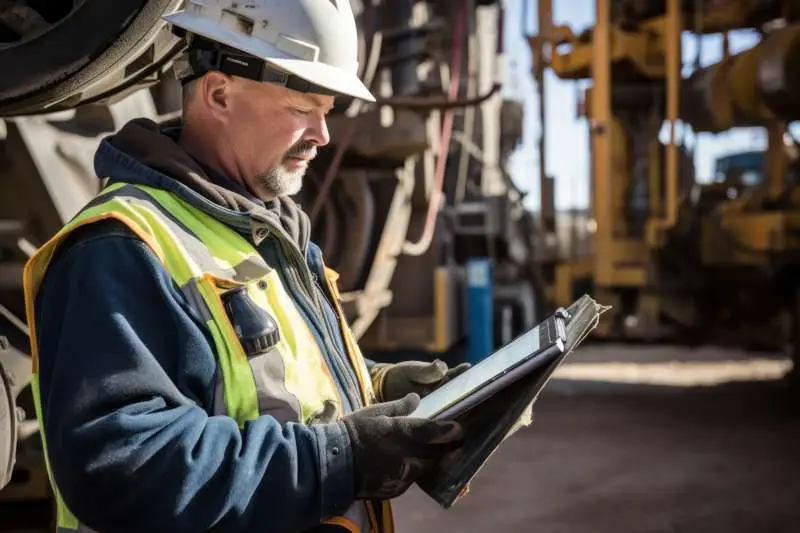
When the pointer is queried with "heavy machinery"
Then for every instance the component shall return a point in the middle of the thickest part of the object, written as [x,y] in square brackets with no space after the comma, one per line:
[409,190]
[679,260]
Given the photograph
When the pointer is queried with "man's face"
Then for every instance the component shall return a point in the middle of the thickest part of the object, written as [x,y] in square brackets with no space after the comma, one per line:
[273,133]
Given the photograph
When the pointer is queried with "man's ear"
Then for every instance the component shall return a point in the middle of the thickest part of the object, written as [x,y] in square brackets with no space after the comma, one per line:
[216,94]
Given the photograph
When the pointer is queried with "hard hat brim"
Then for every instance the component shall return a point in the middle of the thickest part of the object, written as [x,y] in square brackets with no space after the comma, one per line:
[326,76]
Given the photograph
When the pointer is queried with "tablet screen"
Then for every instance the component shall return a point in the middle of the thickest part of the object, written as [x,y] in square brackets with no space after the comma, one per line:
[504,359]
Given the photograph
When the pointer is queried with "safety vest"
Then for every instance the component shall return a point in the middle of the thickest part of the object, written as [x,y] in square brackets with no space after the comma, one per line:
[205,258]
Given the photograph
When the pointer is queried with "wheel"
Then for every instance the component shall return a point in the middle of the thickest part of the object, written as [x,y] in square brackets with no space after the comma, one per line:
[64,53]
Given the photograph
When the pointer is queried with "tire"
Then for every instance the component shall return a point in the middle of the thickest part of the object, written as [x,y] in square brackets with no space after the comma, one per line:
[93,53]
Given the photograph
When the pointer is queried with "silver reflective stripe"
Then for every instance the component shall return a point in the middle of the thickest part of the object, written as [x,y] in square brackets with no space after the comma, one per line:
[251,268]
[189,241]
[357,513]
[192,293]
[220,407]
[274,398]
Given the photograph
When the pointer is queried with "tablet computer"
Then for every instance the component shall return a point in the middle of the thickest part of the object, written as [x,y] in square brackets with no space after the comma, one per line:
[534,348]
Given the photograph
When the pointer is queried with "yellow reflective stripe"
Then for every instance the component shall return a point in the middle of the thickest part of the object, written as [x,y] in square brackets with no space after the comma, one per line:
[228,247]
[148,225]
[380,514]
[302,356]
[307,374]
[154,222]
[353,351]
[388,517]
[343,521]
[241,399]
[240,389]
[35,267]
[181,266]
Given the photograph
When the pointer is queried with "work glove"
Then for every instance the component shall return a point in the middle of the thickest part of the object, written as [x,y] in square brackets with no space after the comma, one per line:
[394,381]
[392,450]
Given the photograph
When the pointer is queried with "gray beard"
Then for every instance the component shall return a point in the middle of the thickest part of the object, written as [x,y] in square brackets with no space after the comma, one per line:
[279,182]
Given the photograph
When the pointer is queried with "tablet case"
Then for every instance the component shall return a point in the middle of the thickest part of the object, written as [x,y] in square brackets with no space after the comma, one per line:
[489,423]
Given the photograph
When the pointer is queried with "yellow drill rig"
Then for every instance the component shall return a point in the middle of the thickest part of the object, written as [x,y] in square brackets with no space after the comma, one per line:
[681,260]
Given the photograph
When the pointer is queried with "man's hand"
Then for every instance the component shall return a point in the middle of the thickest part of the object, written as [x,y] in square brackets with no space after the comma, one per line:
[391,450]
[394,381]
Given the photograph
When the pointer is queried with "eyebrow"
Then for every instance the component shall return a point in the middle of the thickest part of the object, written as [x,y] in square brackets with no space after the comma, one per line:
[316,101]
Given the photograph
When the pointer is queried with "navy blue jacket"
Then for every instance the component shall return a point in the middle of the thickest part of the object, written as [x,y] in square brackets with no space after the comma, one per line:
[126,373]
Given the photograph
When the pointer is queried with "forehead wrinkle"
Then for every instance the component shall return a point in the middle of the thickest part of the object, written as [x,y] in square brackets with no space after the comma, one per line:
[320,102]
[308,99]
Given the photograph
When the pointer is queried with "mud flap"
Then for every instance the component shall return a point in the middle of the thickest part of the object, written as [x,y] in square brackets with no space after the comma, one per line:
[8,422]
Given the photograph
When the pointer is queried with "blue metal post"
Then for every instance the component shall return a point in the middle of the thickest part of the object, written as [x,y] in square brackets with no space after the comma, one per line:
[480,289]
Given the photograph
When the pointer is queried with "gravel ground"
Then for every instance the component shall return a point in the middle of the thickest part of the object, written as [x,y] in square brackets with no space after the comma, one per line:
[652,452]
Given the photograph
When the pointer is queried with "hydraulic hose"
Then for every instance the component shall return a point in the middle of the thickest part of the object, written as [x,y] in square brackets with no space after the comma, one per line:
[422,245]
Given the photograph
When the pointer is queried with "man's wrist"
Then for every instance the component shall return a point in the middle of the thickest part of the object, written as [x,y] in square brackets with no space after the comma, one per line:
[337,475]
[377,375]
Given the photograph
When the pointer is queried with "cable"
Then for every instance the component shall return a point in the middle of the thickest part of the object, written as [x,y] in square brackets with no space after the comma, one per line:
[424,242]
[469,113]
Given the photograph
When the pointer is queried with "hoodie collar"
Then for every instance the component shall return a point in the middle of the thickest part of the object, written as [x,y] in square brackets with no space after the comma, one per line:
[145,153]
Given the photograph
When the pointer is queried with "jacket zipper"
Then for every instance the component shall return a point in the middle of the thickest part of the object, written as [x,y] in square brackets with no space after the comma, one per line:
[353,376]
[308,303]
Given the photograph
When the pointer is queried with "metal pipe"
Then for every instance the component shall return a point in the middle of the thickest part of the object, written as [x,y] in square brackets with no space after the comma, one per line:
[777,174]
[673,35]
[523,20]
[601,133]
[726,46]
[469,114]
[546,203]
[11,317]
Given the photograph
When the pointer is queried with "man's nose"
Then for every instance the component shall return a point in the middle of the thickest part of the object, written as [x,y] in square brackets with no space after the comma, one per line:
[317,131]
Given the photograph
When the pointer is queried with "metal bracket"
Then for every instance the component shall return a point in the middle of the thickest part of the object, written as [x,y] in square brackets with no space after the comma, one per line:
[9,422]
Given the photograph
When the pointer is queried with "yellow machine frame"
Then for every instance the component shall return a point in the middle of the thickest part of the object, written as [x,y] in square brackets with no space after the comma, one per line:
[619,263]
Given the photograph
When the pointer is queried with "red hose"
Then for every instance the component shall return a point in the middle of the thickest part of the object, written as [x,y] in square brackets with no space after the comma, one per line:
[422,245]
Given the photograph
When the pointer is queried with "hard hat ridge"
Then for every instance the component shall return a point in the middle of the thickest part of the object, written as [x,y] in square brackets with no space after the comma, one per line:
[307,45]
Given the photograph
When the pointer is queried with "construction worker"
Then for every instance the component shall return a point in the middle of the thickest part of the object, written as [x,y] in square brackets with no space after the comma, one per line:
[193,369]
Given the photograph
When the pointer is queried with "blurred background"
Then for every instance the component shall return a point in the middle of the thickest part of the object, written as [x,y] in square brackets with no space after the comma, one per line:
[521,154]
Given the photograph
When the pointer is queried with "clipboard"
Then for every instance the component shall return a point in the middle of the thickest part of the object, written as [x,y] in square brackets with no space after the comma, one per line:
[487,424]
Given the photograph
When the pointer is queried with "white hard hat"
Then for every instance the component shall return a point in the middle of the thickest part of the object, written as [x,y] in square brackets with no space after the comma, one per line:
[306,45]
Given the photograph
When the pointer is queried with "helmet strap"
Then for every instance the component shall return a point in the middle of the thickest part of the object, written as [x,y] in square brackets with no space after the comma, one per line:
[205,56]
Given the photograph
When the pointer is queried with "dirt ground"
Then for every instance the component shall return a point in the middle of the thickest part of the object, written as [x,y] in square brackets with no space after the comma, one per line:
[679,454]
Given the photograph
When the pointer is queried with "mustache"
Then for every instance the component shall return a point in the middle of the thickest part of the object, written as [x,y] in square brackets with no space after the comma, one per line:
[303,149]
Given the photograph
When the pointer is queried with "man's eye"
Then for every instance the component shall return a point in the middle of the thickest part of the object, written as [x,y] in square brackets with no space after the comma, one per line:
[302,111]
